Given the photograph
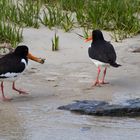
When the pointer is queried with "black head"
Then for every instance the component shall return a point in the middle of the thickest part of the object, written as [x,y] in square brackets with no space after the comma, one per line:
[97,35]
[21,51]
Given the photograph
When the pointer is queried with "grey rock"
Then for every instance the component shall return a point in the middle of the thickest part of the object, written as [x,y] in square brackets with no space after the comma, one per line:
[102,108]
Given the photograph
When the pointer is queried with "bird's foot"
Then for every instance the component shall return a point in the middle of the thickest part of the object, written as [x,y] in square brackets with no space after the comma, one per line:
[96,83]
[99,82]
[103,82]
[20,91]
[6,99]
[23,92]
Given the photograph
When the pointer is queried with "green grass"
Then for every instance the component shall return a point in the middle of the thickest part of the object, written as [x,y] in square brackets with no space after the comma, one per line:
[68,22]
[55,43]
[56,17]
[23,13]
[9,31]
[15,16]
[52,16]
[121,17]
[28,13]
[118,16]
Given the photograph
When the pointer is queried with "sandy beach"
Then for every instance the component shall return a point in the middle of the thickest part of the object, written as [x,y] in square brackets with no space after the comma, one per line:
[67,75]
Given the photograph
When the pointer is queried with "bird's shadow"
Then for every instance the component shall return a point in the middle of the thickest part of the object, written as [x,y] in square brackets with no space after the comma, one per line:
[32,97]
[23,98]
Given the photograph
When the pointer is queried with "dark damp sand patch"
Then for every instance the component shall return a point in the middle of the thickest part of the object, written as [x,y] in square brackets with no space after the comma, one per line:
[137,50]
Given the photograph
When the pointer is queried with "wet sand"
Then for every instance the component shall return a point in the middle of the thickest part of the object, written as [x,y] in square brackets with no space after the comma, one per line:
[66,76]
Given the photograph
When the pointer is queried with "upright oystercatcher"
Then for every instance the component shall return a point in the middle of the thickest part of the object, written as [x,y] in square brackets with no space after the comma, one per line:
[102,54]
[13,64]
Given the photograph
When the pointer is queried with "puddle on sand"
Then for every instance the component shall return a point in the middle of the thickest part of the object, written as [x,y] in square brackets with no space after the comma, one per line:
[121,97]
[46,122]
[33,119]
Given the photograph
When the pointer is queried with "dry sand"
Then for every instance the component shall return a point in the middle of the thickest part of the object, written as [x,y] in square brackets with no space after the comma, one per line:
[66,76]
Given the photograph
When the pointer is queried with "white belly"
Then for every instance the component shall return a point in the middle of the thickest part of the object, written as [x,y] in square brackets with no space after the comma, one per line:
[99,63]
[11,78]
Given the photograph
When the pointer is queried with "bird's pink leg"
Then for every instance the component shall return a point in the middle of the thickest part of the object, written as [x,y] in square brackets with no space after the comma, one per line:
[3,96]
[97,78]
[20,91]
[103,80]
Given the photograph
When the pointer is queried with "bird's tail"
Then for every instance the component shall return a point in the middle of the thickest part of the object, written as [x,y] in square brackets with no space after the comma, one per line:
[115,64]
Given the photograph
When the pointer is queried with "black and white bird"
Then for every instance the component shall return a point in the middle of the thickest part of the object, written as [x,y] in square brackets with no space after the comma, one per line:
[102,54]
[12,65]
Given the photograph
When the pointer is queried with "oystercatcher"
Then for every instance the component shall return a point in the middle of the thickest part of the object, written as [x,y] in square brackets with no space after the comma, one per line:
[13,64]
[102,54]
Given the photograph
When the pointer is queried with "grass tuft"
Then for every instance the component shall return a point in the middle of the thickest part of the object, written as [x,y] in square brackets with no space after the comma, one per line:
[121,17]
[55,43]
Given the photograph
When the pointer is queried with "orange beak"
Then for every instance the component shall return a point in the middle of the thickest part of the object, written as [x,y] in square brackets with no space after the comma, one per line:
[88,39]
[39,60]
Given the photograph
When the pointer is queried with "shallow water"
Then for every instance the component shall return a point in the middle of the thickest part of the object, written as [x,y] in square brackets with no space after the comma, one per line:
[31,120]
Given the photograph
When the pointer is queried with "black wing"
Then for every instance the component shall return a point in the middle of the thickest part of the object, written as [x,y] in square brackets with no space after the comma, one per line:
[11,63]
[102,51]
[110,51]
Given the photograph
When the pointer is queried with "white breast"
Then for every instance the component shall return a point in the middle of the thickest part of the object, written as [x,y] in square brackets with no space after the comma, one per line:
[99,63]
[24,61]
[9,74]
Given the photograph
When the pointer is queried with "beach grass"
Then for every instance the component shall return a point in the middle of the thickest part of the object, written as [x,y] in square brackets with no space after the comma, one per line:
[52,17]
[55,43]
[10,32]
[121,17]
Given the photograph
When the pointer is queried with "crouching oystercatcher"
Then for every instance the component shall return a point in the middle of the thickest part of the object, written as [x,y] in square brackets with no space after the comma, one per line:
[13,64]
[102,54]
